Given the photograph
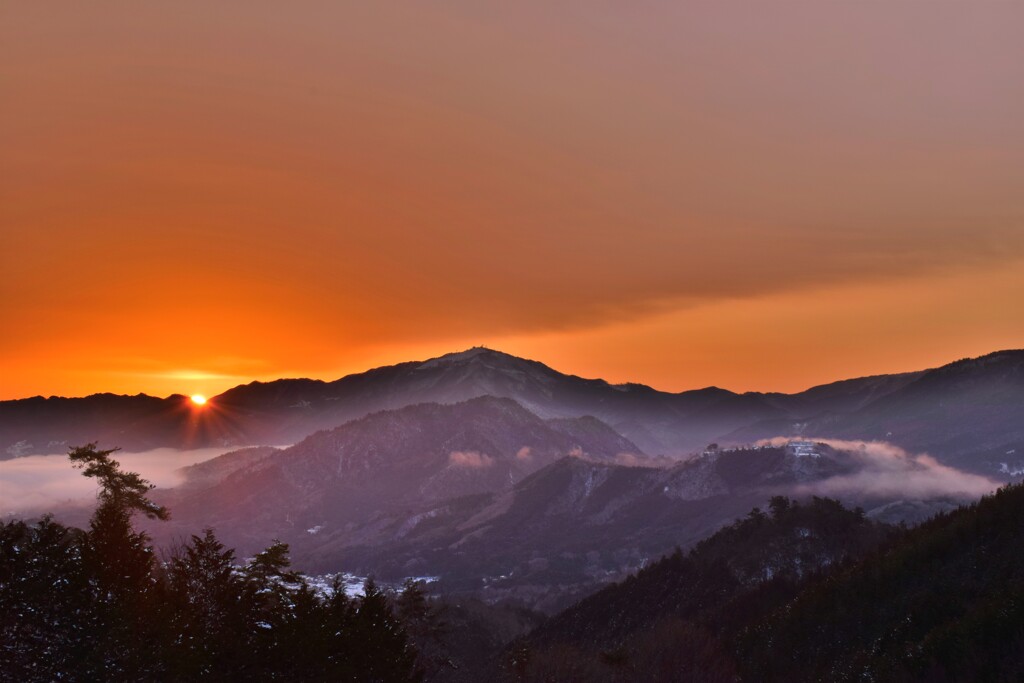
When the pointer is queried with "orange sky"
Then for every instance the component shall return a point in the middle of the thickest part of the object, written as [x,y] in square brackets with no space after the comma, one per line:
[754,195]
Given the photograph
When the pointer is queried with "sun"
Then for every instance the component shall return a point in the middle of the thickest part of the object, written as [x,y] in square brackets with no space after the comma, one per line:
[198,399]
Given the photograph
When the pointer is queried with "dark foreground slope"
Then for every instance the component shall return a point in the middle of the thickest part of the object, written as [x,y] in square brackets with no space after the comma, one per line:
[944,604]
[639,627]
[772,599]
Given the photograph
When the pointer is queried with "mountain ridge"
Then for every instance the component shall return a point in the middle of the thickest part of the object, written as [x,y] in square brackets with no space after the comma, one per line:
[628,384]
[495,500]
[660,423]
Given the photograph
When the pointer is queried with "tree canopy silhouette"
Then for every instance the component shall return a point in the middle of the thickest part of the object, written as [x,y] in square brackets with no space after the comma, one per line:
[96,605]
[124,491]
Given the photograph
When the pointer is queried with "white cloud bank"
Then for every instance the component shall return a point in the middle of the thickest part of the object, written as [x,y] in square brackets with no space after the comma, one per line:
[890,471]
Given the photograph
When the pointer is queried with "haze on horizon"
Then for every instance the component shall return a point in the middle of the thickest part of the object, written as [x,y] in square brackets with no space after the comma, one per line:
[760,197]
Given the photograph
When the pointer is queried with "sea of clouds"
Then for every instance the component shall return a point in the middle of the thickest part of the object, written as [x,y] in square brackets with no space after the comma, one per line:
[38,483]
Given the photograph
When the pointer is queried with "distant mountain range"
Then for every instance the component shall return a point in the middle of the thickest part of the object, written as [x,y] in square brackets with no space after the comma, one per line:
[969,413]
[388,463]
[507,479]
[498,501]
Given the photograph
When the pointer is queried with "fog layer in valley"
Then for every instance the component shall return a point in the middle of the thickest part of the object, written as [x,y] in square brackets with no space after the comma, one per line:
[37,483]
[890,471]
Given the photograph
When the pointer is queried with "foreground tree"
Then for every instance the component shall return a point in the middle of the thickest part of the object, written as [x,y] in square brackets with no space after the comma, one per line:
[96,605]
[46,602]
[120,564]
[203,597]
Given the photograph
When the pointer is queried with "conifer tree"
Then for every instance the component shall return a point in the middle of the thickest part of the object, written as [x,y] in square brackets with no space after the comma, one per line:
[120,562]
[204,596]
[386,654]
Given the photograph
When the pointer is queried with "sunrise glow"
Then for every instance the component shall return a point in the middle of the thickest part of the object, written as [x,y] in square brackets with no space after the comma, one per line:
[628,198]
[710,309]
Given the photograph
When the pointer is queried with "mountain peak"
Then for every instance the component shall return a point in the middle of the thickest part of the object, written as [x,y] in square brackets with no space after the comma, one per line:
[476,353]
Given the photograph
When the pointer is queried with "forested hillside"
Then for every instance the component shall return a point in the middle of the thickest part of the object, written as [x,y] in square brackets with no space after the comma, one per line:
[807,592]
[670,616]
[945,603]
